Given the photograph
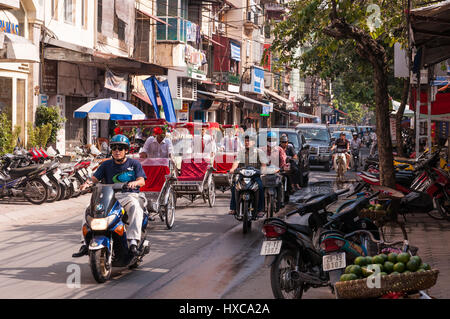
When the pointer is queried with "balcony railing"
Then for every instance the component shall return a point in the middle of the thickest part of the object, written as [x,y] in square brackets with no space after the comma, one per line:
[226,77]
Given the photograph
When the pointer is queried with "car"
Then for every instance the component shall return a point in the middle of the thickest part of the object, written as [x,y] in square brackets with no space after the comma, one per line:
[319,138]
[301,148]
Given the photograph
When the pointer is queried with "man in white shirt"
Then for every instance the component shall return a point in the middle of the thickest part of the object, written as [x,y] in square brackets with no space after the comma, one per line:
[157,147]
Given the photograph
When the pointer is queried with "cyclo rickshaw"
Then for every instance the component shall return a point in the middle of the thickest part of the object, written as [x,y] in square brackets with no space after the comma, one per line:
[195,179]
[223,161]
[160,173]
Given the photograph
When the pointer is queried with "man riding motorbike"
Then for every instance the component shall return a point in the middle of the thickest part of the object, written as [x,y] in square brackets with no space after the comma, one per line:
[121,169]
[277,158]
[341,144]
[291,158]
[249,156]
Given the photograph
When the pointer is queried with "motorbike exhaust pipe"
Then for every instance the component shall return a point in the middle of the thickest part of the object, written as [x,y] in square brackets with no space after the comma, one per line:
[301,276]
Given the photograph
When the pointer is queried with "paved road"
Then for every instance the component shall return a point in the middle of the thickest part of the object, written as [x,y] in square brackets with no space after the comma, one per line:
[204,256]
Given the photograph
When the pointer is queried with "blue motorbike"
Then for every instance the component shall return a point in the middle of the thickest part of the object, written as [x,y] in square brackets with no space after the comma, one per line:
[105,234]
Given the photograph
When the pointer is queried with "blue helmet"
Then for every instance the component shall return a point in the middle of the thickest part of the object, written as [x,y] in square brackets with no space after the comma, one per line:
[271,135]
[120,140]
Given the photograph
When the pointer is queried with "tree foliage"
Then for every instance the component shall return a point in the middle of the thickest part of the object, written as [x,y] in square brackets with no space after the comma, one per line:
[49,115]
[8,136]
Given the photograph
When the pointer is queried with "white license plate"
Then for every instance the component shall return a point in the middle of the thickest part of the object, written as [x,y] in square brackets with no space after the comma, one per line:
[271,247]
[89,171]
[45,179]
[81,173]
[334,261]
[66,181]
[56,175]
[58,171]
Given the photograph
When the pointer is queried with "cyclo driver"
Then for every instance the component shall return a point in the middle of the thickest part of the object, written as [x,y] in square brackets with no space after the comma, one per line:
[121,169]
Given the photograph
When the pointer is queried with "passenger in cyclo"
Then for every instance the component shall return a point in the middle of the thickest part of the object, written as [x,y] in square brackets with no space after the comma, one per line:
[121,169]
[157,146]
[276,159]
[291,157]
[249,156]
[341,144]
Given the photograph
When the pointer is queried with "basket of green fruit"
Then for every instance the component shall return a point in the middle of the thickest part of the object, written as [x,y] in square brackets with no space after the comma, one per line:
[373,277]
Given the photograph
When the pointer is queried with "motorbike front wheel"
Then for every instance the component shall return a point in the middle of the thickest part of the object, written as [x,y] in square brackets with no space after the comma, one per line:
[53,192]
[246,221]
[283,286]
[100,265]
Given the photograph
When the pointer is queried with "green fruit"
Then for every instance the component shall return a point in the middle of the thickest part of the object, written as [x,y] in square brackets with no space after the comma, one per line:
[392,257]
[407,272]
[403,258]
[399,267]
[355,269]
[413,265]
[352,277]
[385,257]
[368,260]
[378,259]
[394,273]
[425,266]
[347,269]
[421,270]
[383,274]
[344,277]
[417,259]
[360,261]
[388,267]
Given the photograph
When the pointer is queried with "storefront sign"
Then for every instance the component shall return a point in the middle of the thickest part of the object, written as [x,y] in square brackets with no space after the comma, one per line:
[257,82]
[196,74]
[43,99]
[50,77]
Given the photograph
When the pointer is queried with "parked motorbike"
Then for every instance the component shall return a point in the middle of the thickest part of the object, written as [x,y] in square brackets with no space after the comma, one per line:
[300,254]
[105,233]
[247,190]
[355,155]
[29,182]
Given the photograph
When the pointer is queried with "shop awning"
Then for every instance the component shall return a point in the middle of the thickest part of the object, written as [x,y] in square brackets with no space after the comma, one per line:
[289,104]
[247,99]
[431,32]
[67,52]
[305,115]
[218,96]
[14,48]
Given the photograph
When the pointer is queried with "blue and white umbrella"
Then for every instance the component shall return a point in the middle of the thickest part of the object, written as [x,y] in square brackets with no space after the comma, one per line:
[109,109]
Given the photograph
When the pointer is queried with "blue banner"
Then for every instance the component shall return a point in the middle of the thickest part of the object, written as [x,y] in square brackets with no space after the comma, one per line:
[166,98]
[149,85]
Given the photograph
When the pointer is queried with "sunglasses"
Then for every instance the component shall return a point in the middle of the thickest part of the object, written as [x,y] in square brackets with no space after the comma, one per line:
[118,147]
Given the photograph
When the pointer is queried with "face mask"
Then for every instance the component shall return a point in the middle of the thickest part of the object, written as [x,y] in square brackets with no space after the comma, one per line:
[272,144]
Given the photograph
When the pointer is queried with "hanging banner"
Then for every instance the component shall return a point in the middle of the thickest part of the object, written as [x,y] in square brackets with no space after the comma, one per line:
[166,99]
[116,82]
[150,88]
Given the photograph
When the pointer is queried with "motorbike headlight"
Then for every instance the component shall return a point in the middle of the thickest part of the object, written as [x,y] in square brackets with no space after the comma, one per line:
[99,224]
[247,180]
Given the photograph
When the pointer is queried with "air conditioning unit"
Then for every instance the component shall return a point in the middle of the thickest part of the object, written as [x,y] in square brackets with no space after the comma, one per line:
[186,89]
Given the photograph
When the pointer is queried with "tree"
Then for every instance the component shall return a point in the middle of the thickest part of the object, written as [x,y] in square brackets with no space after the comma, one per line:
[49,115]
[332,27]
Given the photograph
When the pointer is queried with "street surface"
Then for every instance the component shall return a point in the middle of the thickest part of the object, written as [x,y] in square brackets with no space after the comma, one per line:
[204,256]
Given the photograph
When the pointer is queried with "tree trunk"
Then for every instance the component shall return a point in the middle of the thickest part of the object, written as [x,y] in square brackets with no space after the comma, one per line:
[386,158]
[399,116]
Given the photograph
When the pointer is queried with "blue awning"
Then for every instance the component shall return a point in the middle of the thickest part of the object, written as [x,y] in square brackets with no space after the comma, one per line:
[149,85]
[235,51]
[166,99]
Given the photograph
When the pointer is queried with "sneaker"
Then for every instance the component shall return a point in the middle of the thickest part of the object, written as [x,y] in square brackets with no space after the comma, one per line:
[82,252]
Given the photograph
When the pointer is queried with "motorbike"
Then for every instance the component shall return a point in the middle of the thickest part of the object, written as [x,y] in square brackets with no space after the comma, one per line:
[355,155]
[247,190]
[340,165]
[272,183]
[426,178]
[105,233]
[314,252]
[29,182]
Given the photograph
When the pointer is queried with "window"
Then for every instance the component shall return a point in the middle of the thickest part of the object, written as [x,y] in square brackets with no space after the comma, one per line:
[68,11]
[119,28]
[83,13]
[99,15]
[175,13]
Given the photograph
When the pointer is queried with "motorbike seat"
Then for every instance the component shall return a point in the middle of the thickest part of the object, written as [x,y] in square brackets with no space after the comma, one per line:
[19,172]
[318,203]
[301,228]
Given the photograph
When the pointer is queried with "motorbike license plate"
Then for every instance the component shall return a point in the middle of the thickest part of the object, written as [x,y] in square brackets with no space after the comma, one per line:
[89,170]
[333,261]
[66,181]
[81,173]
[45,179]
[57,175]
[271,247]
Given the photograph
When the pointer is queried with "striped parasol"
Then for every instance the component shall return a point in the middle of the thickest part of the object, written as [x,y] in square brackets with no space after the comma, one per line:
[109,109]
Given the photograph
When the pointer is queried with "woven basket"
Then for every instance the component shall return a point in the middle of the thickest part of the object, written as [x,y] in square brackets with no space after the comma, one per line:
[358,289]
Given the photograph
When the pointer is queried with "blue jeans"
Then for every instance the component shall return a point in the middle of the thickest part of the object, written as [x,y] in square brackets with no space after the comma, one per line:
[260,196]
